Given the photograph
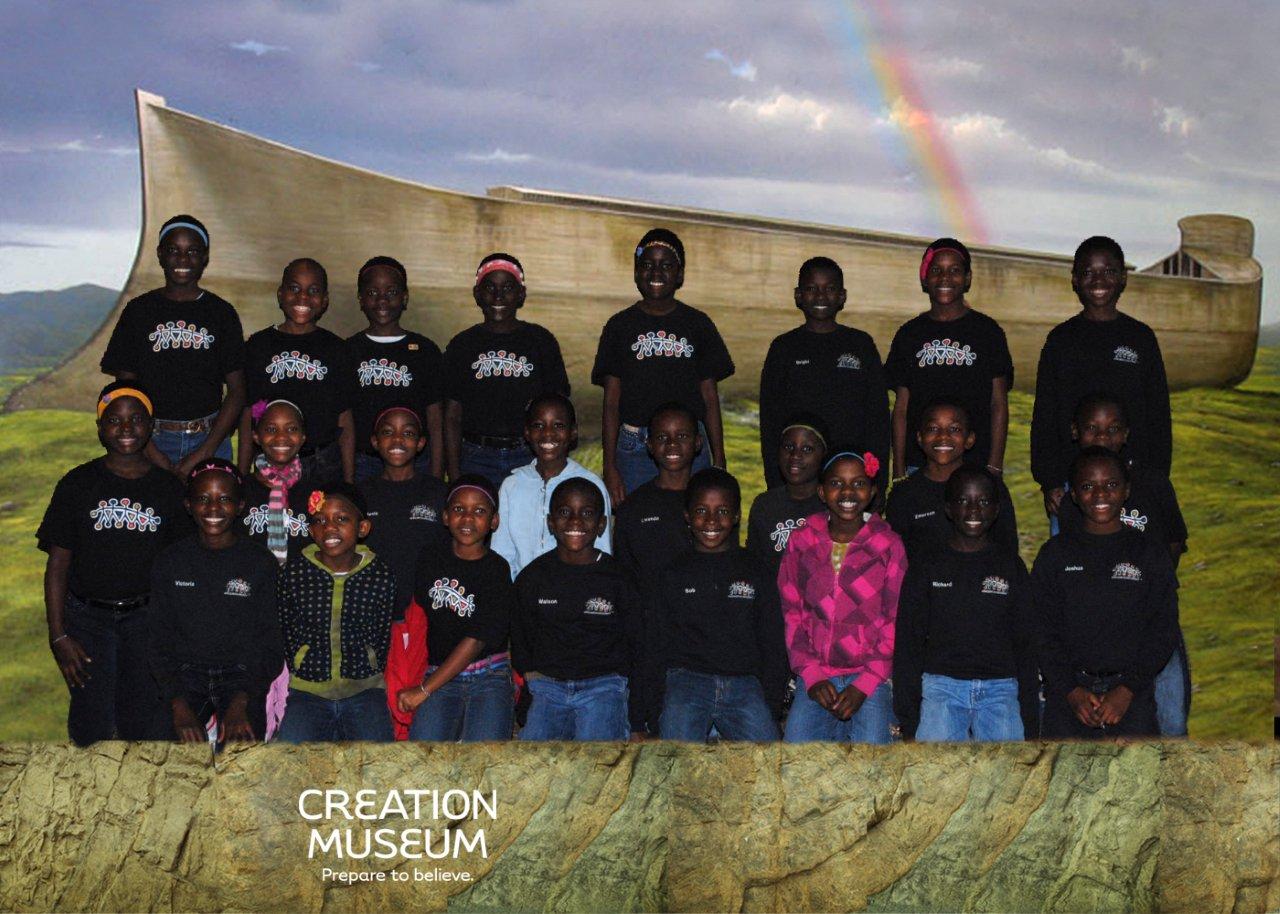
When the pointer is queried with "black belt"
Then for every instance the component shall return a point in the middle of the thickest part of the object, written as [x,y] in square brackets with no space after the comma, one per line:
[128,604]
[509,444]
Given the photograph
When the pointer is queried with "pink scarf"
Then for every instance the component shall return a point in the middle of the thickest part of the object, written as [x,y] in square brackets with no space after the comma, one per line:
[280,479]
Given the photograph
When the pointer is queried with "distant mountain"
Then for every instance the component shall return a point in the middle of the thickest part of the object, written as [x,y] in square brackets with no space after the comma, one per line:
[40,328]
[1269,335]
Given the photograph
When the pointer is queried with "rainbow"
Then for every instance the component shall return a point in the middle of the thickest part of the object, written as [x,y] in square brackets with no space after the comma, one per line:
[892,90]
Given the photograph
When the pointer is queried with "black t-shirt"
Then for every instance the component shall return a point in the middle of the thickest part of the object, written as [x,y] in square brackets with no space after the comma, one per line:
[256,505]
[405,372]
[917,512]
[775,515]
[575,621]
[954,359]
[114,527]
[495,375]
[464,599]
[1152,508]
[310,369]
[1120,358]
[406,516]
[660,359]
[181,351]
[1105,604]
[719,613]
[650,531]
[215,608]
[966,615]
[837,376]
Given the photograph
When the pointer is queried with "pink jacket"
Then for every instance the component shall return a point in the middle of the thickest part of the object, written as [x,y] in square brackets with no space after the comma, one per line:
[845,625]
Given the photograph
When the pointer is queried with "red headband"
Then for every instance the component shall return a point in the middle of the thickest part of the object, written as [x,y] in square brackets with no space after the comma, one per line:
[490,266]
[391,409]
[481,489]
[928,259]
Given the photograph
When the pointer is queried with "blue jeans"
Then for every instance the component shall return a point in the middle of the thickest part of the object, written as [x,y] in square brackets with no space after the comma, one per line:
[177,445]
[957,710]
[370,465]
[578,709]
[636,466]
[493,463]
[473,708]
[734,705]
[810,722]
[120,698]
[1054,527]
[309,718]
[1171,695]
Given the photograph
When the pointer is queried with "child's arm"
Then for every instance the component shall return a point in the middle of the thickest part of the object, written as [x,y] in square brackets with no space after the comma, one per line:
[908,650]
[162,639]
[1049,615]
[610,421]
[459,659]
[1160,451]
[1005,531]
[244,443]
[803,657]
[503,540]
[347,444]
[435,439]
[901,399]
[1156,643]
[524,620]
[223,424]
[771,641]
[1047,448]
[879,649]
[999,423]
[875,406]
[633,624]
[452,437]
[69,654]
[1024,653]
[715,426]
[772,383]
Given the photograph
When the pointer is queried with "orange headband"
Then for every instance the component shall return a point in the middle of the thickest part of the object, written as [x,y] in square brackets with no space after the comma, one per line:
[105,400]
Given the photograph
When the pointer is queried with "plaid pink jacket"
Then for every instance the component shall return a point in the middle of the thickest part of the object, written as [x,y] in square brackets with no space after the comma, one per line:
[842,625]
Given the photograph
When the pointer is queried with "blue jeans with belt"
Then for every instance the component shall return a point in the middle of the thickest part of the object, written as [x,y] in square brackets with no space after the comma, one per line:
[179,445]
[475,706]
[636,466]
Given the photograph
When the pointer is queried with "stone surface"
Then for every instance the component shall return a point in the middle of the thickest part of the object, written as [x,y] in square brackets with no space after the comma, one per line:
[1019,827]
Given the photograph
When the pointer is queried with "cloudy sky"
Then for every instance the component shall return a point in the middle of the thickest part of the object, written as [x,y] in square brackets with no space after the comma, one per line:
[1062,119]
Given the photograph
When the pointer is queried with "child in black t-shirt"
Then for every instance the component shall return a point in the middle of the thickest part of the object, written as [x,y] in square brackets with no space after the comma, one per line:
[950,351]
[307,365]
[1106,603]
[1151,509]
[719,641]
[1100,349]
[185,345]
[107,521]
[215,637]
[917,505]
[491,371]
[405,506]
[275,495]
[824,368]
[775,514]
[576,633]
[964,662]
[656,351]
[393,367]
[466,592]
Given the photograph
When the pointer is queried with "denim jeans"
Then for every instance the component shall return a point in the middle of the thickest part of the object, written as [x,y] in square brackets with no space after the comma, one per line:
[493,463]
[311,719]
[120,698]
[370,465]
[1171,690]
[1054,527]
[577,709]
[209,690]
[810,722]
[636,466]
[695,702]
[958,710]
[177,445]
[473,707]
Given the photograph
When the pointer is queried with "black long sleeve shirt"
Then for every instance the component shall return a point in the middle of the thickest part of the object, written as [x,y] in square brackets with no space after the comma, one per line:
[775,515]
[1119,357]
[916,511]
[1104,604]
[1151,508]
[966,615]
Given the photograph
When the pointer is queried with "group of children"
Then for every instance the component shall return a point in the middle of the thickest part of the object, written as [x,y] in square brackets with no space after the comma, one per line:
[329,585]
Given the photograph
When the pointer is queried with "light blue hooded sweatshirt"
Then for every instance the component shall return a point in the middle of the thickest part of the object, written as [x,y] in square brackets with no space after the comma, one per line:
[524,501]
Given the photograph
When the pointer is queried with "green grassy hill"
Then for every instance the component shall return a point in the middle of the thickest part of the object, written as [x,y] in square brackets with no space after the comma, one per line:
[43,327]
[1227,473]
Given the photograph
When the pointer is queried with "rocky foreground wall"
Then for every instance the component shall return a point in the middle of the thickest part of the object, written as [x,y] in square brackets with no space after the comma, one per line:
[1027,827]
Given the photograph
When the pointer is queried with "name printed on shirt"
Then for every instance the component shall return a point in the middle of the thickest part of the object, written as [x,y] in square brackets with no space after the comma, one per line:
[295,365]
[651,344]
[547,601]
[598,606]
[691,590]
[781,534]
[294,524]
[184,583]
[942,583]
[383,373]
[742,590]
[180,335]
[946,352]
[1126,572]
[924,514]
[124,514]
[448,592]
[1126,354]
[502,364]
[237,587]
[995,585]
[1074,568]
[650,520]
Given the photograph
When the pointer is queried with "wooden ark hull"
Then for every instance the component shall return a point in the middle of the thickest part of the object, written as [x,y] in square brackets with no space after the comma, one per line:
[265,203]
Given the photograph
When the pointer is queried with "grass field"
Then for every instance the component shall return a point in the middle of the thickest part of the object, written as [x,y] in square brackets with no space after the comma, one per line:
[1227,473]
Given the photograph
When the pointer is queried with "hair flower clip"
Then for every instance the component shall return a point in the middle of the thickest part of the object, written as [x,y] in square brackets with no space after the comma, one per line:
[871,463]
[315,502]
[257,409]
